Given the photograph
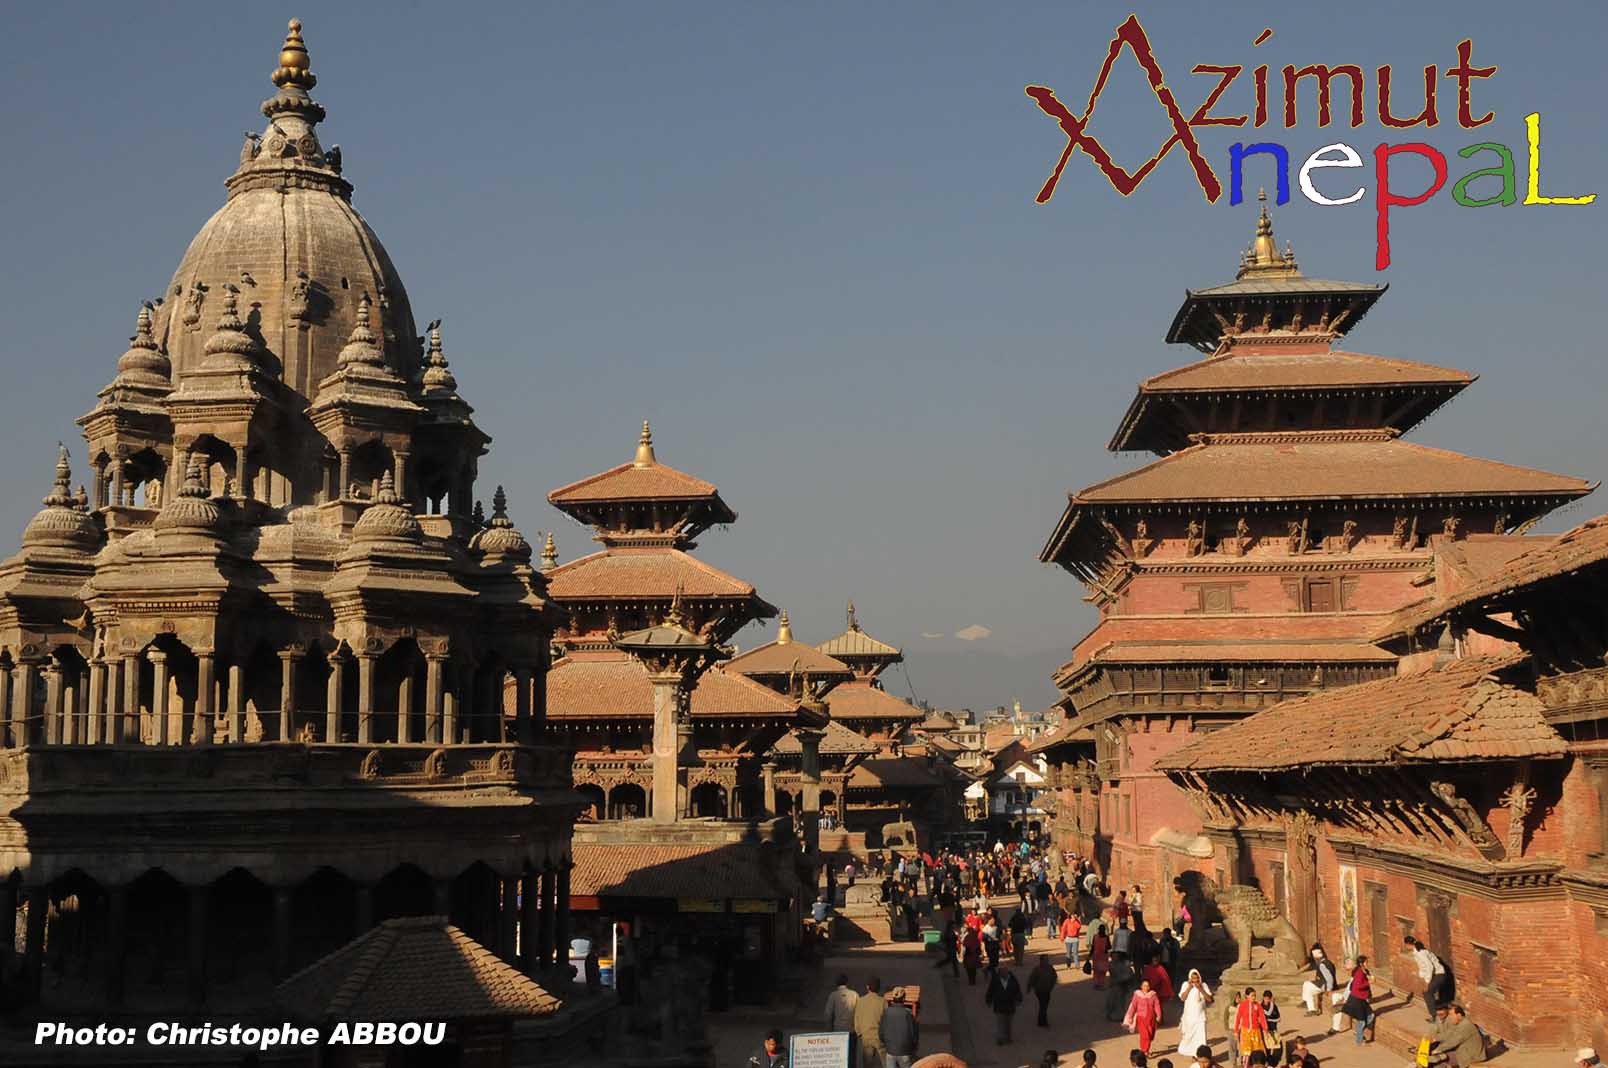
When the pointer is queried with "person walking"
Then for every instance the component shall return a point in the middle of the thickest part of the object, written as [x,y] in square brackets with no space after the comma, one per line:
[1041,982]
[1071,931]
[971,954]
[991,944]
[1195,995]
[1019,926]
[1431,972]
[1250,1028]
[1100,956]
[839,1012]
[1004,996]
[1121,988]
[1359,994]
[1143,1015]
[899,1031]
[868,1023]
[1160,981]
[1270,1009]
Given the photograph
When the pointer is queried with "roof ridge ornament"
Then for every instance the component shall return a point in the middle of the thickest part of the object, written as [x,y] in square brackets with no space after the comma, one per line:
[229,343]
[1263,256]
[854,624]
[293,78]
[437,377]
[784,629]
[644,453]
[362,346]
[550,553]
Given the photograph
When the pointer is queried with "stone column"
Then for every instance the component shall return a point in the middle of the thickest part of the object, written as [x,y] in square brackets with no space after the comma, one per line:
[33,953]
[116,944]
[196,944]
[345,475]
[281,932]
[97,701]
[242,484]
[508,919]
[451,703]
[548,927]
[810,773]
[523,733]
[768,769]
[53,696]
[129,730]
[206,692]
[287,692]
[432,698]
[117,482]
[530,923]
[561,922]
[7,725]
[365,697]
[159,696]
[404,708]
[23,677]
[401,475]
[237,702]
[112,704]
[666,747]
[332,698]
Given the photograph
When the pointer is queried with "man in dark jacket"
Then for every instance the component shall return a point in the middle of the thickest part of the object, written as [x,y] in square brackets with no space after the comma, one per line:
[1003,996]
[900,1032]
[1019,935]
[1042,983]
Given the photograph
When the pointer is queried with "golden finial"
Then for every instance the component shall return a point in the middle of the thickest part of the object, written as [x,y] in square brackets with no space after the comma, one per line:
[1264,254]
[784,630]
[549,553]
[644,453]
[295,69]
[854,624]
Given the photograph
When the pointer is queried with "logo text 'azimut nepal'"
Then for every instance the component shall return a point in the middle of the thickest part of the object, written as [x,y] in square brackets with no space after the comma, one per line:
[1131,35]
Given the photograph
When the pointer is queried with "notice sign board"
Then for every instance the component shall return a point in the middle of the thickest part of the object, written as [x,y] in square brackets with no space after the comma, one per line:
[825,1049]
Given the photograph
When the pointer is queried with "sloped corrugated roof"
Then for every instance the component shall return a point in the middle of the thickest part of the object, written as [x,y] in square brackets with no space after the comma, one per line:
[613,685]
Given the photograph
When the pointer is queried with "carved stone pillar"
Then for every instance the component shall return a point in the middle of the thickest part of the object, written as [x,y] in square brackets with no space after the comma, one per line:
[451,702]
[432,698]
[332,698]
[522,722]
[401,476]
[237,702]
[23,679]
[53,695]
[287,692]
[530,923]
[129,728]
[769,800]
[547,931]
[404,708]
[6,725]
[345,475]
[97,700]
[365,697]
[810,774]
[666,747]
[206,693]
[159,696]
[72,699]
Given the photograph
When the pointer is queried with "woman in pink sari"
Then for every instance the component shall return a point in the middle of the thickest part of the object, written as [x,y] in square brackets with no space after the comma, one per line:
[1144,1015]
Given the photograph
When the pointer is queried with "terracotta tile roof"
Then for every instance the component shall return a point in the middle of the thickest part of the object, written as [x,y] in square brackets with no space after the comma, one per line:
[1068,733]
[862,700]
[612,685]
[1274,370]
[1584,546]
[628,482]
[838,740]
[1459,712]
[896,772]
[780,658]
[678,870]
[413,968]
[1240,652]
[999,738]
[635,573]
[1306,465]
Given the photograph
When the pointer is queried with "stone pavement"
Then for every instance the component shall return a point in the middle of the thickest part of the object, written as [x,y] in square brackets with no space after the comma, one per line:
[954,1018]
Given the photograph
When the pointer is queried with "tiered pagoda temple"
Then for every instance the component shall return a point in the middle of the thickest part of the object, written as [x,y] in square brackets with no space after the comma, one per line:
[250,677]
[1253,561]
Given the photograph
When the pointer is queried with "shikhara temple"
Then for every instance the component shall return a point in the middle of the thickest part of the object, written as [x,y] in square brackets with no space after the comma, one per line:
[1334,677]
[251,672]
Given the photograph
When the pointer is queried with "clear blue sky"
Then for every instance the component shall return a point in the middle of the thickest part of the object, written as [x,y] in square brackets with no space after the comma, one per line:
[802,240]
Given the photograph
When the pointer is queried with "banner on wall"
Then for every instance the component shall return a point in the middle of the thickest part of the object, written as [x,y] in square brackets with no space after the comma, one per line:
[1348,911]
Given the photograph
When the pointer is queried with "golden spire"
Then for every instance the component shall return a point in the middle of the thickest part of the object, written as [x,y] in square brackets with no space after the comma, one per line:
[295,69]
[644,453]
[784,630]
[854,624]
[1264,254]
[549,553]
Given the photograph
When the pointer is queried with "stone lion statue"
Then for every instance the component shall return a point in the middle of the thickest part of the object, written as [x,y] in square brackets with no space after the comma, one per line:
[1248,915]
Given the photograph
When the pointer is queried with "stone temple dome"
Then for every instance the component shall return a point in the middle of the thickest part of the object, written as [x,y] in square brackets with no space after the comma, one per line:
[290,239]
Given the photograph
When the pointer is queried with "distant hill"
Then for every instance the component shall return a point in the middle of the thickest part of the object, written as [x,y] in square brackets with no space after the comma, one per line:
[978,679]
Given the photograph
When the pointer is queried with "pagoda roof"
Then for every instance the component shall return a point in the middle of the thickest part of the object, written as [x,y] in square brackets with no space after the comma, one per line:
[612,685]
[1240,651]
[1584,546]
[1458,712]
[1280,369]
[1323,465]
[414,968]
[779,657]
[637,573]
[896,772]
[677,870]
[838,740]
[644,479]
[855,643]
[862,700]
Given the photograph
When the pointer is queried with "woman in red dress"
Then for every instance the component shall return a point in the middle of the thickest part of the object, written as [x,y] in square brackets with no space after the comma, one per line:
[1144,1015]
